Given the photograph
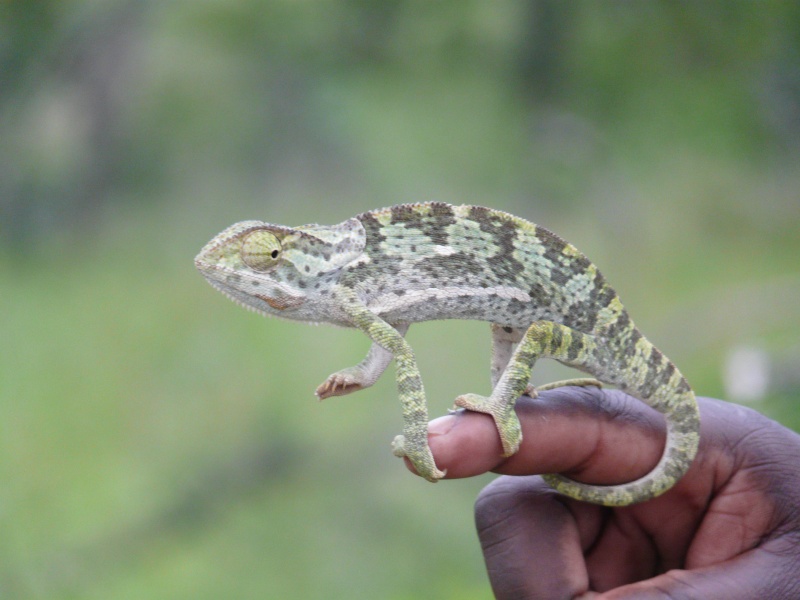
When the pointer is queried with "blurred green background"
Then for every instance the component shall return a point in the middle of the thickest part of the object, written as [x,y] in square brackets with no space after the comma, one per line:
[156,441]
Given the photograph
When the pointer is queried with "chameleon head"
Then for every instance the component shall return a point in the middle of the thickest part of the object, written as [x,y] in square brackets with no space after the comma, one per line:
[276,270]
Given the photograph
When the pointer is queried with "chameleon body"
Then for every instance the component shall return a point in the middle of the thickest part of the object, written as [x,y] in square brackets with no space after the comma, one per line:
[384,269]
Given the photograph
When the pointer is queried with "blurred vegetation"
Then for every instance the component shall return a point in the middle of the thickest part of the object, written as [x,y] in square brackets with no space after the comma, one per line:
[159,442]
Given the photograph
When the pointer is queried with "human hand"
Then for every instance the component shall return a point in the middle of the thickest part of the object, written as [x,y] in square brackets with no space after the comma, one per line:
[729,529]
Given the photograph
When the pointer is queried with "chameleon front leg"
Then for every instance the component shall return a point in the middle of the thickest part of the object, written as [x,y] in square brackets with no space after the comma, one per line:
[361,376]
[413,444]
[542,339]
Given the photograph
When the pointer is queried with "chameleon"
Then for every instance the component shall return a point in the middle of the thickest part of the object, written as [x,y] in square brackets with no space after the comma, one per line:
[384,269]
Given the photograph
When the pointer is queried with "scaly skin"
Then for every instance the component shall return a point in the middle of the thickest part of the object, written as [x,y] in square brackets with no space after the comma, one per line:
[385,269]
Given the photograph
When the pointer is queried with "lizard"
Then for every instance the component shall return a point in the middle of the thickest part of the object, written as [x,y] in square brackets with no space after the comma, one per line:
[384,269]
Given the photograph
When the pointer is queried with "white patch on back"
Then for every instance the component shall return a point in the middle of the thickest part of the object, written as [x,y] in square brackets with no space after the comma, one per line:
[392,302]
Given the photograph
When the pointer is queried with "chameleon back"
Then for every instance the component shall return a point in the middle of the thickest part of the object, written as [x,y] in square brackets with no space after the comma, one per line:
[436,261]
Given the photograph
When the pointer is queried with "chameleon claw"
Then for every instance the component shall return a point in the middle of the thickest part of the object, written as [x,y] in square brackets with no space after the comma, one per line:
[398,446]
[421,461]
[337,385]
[505,419]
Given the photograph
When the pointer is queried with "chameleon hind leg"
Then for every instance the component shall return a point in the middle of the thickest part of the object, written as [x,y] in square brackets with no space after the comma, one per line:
[504,341]
[543,339]
[362,375]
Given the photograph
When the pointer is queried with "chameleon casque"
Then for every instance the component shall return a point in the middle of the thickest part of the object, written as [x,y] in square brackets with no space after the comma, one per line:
[384,269]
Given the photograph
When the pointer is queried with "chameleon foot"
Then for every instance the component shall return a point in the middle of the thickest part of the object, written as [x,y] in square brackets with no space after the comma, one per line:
[339,384]
[581,382]
[505,419]
[421,458]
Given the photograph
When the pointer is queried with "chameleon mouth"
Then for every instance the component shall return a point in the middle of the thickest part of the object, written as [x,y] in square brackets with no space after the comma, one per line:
[233,284]
[236,296]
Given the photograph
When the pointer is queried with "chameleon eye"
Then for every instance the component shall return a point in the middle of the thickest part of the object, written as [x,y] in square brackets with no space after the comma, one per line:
[261,250]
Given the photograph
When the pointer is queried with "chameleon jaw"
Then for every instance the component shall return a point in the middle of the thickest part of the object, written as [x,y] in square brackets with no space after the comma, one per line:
[235,296]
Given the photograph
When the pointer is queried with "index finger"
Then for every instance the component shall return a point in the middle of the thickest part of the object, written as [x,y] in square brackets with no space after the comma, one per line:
[601,437]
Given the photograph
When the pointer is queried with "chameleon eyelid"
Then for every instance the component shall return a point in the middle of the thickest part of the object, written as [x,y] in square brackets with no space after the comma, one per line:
[260,250]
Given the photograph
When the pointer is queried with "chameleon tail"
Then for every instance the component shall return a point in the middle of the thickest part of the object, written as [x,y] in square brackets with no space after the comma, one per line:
[664,388]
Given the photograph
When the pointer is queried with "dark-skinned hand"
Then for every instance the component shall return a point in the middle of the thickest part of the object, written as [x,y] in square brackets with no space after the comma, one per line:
[730,529]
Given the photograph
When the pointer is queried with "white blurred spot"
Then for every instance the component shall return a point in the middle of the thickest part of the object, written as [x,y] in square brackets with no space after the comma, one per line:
[746,374]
